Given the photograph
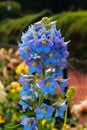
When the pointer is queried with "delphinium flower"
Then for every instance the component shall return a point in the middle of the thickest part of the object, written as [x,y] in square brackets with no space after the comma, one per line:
[29,123]
[58,71]
[63,83]
[44,51]
[28,94]
[51,58]
[60,110]
[34,66]
[44,111]
[42,45]
[48,86]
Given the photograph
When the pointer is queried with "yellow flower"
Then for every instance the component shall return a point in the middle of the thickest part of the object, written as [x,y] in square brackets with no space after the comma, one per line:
[15,87]
[22,68]
[3,50]
[43,122]
[14,118]
[2,120]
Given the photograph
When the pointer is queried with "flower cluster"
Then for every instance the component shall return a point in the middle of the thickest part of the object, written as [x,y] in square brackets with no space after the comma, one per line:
[45,53]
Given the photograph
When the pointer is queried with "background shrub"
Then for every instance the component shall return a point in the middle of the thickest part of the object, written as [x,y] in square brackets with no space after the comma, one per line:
[73,27]
[11,29]
[10,10]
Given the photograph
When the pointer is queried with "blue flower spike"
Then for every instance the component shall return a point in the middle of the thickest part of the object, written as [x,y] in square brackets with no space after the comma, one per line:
[44,51]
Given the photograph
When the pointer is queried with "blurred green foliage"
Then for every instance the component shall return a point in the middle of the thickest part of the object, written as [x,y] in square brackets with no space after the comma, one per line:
[11,29]
[11,10]
[73,27]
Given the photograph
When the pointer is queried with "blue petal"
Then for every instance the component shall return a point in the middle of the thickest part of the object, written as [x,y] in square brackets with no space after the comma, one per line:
[52,90]
[44,89]
[53,61]
[62,89]
[24,105]
[62,107]
[32,69]
[48,115]
[24,93]
[26,127]
[23,54]
[59,72]
[60,114]
[39,49]
[46,50]
[38,70]
[39,116]
[46,62]
[54,83]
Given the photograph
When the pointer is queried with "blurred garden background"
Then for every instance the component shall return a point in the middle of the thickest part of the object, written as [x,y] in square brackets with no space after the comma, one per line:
[15,17]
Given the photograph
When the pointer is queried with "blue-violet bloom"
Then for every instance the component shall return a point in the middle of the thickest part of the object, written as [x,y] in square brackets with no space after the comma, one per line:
[60,111]
[29,123]
[44,111]
[48,86]
[34,66]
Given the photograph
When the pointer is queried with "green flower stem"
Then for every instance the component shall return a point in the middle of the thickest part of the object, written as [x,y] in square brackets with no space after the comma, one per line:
[12,127]
[43,73]
[41,97]
[65,117]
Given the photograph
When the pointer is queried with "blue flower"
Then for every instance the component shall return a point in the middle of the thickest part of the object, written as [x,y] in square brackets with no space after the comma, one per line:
[63,63]
[25,91]
[26,36]
[63,83]
[24,101]
[29,123]
[34,66]
[25,104]
[28,96]
[24,52]
[42,45]
[38,27]
[25,49]
[51,59]
[48,86]
[58,33]
[60,111]
[28,93]
[58,71]
[25,82]
[31,33]
[44,111]
[57,41]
